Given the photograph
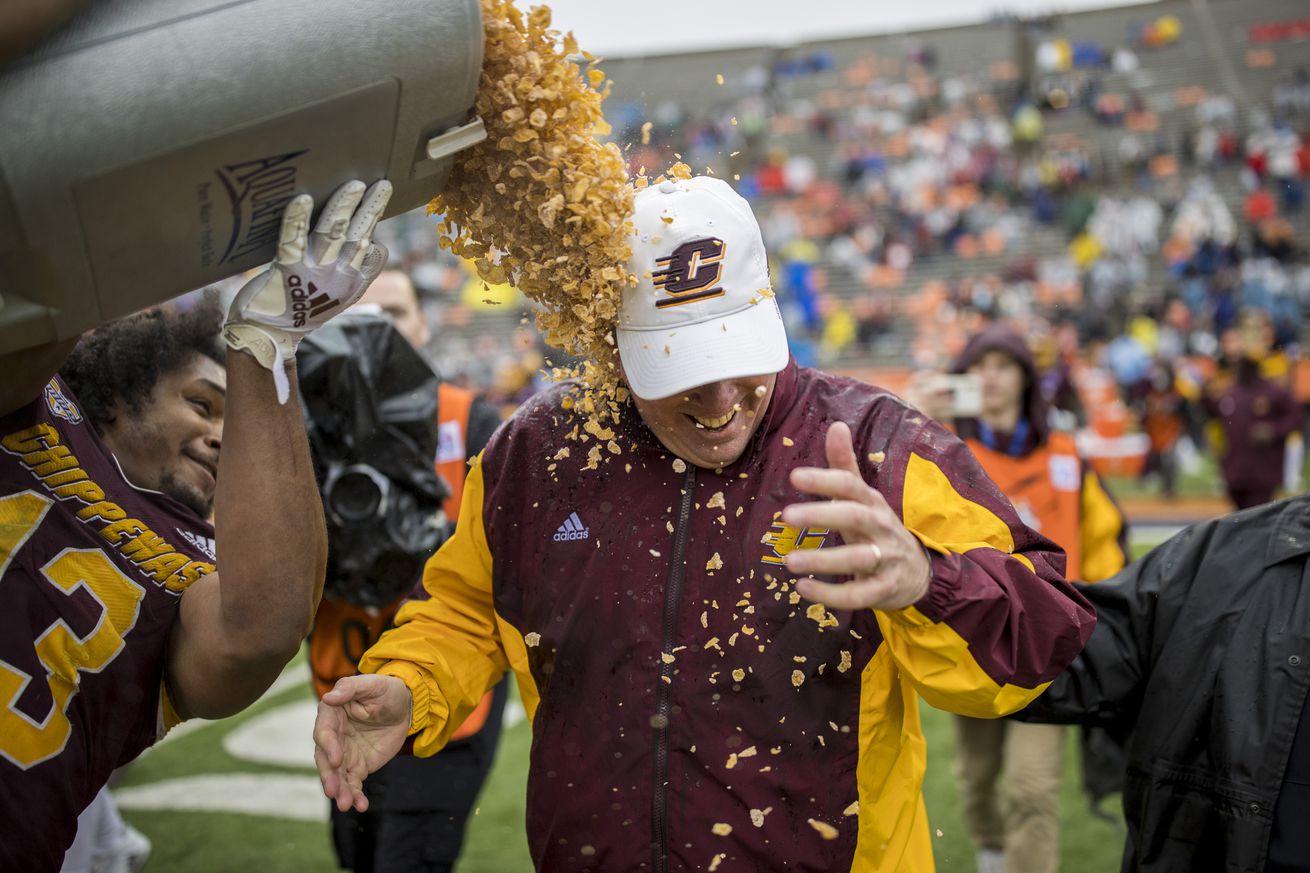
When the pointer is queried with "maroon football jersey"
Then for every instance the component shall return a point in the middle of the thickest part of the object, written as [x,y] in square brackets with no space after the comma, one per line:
[92,570]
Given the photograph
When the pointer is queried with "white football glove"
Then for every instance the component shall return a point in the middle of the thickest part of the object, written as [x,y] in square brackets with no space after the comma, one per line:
[316,275]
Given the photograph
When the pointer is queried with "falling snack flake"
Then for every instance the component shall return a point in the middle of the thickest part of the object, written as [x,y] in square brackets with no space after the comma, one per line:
[532,639]
[816,613]
[827,831]
[797,678]
[757,816]
[721,829]
[562,238]
[716,501]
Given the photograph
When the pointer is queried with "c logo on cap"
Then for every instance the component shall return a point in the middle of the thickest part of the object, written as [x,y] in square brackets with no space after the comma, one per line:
[691,272]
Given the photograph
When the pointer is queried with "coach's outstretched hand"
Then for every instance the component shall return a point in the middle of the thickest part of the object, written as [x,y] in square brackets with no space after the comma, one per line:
[362,723]
[889,567]
[315,276]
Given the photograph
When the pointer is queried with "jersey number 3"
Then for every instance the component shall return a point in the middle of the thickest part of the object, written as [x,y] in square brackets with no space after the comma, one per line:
[26,741]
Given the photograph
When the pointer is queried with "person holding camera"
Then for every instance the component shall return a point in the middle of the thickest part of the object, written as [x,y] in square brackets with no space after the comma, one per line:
[382,494]
[996,407]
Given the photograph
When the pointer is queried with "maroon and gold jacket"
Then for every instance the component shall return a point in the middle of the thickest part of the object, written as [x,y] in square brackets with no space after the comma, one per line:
[689,710]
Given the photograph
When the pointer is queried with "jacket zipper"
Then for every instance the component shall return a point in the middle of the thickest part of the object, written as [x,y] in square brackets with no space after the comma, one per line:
[663,691]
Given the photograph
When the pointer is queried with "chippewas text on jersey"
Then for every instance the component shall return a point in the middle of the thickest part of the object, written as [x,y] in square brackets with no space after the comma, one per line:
[40,450]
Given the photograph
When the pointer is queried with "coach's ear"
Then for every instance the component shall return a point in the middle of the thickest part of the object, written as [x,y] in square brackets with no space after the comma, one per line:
[27,372]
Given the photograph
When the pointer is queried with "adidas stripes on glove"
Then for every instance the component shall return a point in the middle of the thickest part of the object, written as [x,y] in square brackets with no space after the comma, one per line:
[316,275]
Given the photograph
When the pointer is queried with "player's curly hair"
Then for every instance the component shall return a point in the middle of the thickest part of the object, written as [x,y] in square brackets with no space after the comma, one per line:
[124,359]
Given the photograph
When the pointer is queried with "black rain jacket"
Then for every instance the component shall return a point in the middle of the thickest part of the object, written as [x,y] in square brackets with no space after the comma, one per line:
[1200,663]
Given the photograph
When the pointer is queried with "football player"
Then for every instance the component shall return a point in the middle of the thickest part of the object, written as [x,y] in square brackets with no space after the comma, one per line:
[118,622]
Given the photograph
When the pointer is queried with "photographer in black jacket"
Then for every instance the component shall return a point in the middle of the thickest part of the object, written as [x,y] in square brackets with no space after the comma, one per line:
[1200,663]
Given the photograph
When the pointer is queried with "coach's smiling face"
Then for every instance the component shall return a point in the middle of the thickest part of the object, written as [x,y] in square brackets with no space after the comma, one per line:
[170,441]
[710,425]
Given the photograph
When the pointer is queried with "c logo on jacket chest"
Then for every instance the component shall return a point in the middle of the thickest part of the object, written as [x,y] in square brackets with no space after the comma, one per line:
[783,539]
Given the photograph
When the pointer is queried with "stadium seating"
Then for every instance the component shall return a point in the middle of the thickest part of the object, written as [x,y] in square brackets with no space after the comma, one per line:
[678,94]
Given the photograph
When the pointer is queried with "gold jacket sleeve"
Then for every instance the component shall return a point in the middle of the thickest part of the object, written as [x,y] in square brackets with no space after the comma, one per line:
[998,622]
[447,648]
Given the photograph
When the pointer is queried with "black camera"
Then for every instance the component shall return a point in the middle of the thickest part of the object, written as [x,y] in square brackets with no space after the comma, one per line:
[370,404]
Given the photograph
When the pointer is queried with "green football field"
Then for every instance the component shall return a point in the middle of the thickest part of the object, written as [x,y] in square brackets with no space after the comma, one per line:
[230,842]
[184,795]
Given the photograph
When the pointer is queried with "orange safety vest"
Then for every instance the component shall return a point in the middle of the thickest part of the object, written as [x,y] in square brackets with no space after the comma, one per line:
[453,407]
[1046,488]
[342,631]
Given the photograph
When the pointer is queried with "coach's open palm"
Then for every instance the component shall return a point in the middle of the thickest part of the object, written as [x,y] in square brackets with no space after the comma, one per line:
[362,723]
[887,566]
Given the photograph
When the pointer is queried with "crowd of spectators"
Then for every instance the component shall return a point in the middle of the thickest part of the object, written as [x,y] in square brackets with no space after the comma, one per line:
[904,207]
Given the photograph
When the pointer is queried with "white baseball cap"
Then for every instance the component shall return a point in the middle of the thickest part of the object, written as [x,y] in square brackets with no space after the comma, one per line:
[703,308]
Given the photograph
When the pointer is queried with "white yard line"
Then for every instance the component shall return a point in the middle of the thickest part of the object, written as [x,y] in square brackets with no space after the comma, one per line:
[514,712]
[1149,534]
[272,795]
[283,736]
[297,674]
